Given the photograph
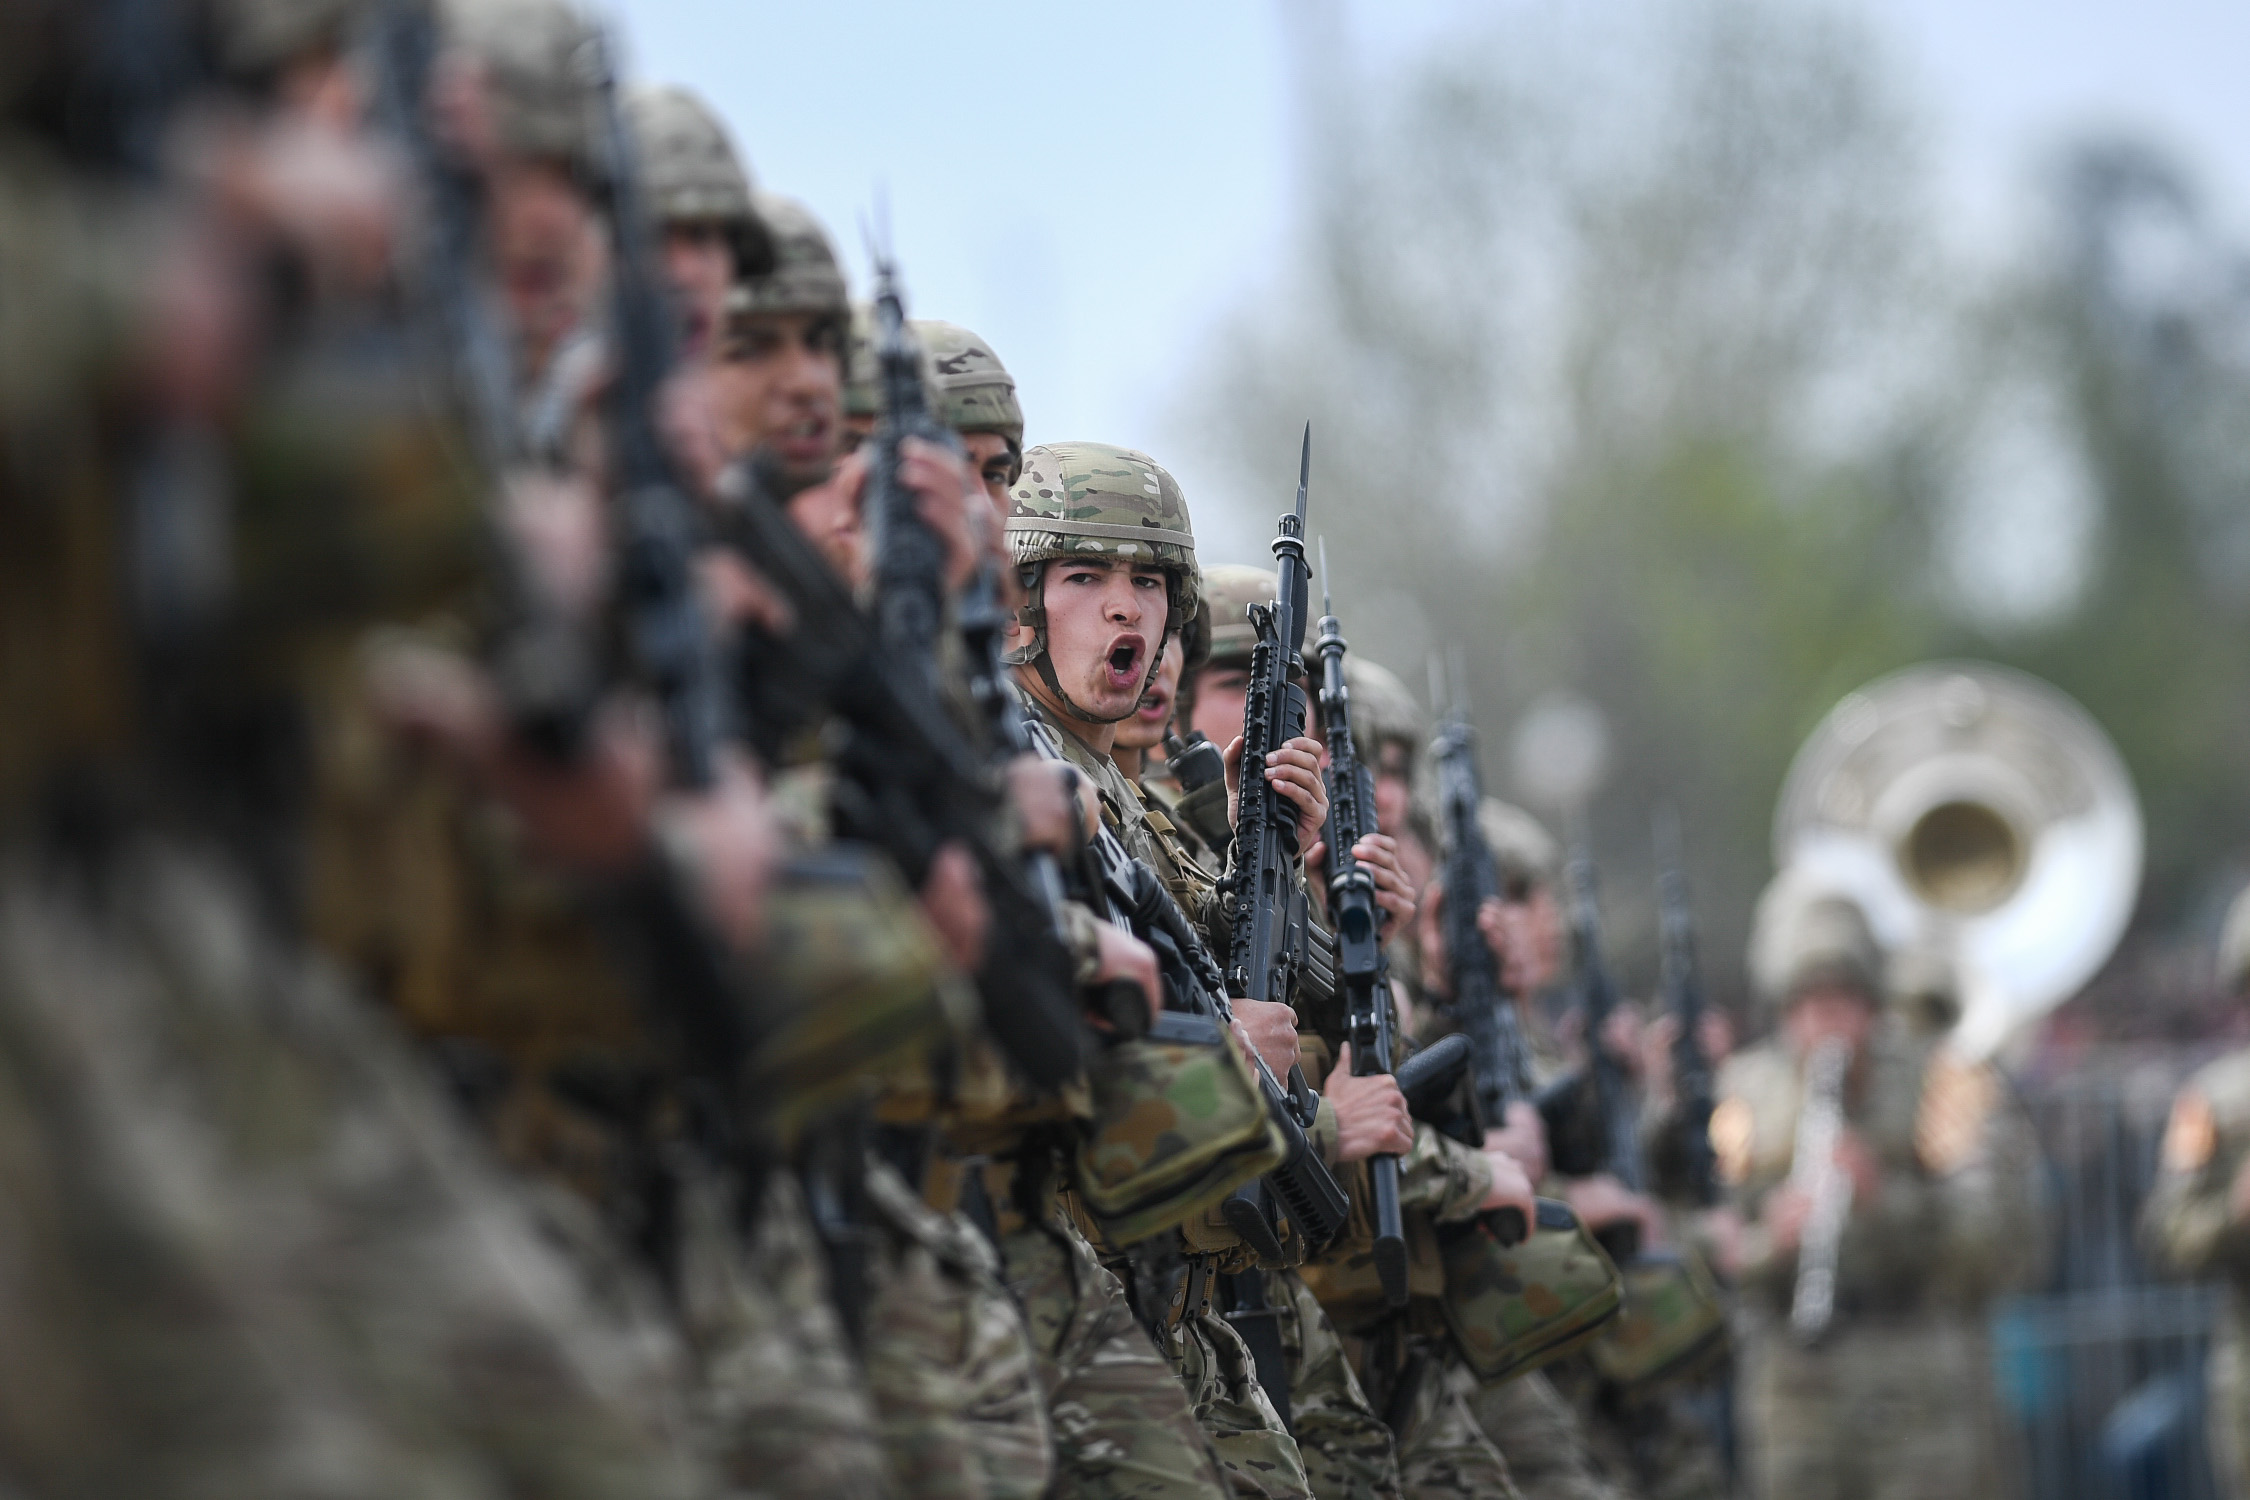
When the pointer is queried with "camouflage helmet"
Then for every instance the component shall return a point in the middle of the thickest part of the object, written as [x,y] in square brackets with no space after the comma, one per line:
[1807,933]
[532,53]
[1095,500]
[863,395]
[806,276]
[975,392]
[1525,853]
[1383,709]
[1232,588]
[2234,947]
[255,38]
[692,173]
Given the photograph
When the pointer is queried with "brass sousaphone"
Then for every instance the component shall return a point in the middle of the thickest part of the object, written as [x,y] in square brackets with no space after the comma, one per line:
[1983,821]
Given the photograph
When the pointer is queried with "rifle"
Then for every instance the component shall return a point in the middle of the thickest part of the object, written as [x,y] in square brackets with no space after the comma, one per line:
[1692,1087]
[1267,946]
[1365,976]
[1500,1063]
[1606,1079]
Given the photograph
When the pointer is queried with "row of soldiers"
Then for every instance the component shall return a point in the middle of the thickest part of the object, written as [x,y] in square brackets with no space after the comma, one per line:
[596,905]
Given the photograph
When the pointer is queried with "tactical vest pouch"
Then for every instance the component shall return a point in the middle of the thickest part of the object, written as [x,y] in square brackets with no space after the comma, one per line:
[1512,1309]
[1673,1325]
[1345,1279]
[1178,1123]
[857,982]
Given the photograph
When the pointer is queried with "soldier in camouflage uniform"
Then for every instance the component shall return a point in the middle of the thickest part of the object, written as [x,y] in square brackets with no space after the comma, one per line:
[976,397]
[1944,1212]
[951,1365]
[1406,1359]
[251,1247]
[1076,504]
[1102,541]
[505,968]
[2194,1219]
[1542,1435]
[698,191]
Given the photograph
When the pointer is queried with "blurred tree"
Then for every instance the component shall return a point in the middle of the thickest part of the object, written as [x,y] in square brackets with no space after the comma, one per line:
[2140,318]
[1637,365]
[1608,335]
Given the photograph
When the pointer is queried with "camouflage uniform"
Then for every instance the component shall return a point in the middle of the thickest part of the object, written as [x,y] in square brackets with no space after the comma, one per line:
[2190,1223]
[951,1369]
[250,1249]
[1345,1449]
[1542,1436]
[1906,1355]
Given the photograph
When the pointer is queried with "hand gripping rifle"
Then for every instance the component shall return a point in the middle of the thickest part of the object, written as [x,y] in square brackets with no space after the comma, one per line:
[1692,1087]
[1364,975]
[1267,947]
[1499,1062]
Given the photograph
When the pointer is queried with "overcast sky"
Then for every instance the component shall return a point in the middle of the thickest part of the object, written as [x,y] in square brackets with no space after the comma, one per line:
[1090,187]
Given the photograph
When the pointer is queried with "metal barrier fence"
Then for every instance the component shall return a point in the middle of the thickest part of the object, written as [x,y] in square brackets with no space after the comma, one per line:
[2101,1369]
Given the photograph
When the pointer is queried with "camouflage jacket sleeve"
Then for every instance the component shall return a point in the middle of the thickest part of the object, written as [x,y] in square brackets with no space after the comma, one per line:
[2188,1225]
[1442,1177]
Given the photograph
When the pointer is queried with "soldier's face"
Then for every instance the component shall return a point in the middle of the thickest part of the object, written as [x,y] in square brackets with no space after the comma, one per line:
[546,251]
[1103,621]
[1220,696]
[1533,926]
[995,468]
[782,384]
[1145,730]
[698,265]
[1828,1009]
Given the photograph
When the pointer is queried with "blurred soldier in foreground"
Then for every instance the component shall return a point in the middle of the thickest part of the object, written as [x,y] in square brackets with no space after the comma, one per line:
[2197,1219]
[252,1248]
[1864,1269]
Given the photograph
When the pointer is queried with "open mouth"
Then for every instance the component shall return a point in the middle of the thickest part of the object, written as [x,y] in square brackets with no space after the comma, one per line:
[1156,706]
[1124,662]
[805,437]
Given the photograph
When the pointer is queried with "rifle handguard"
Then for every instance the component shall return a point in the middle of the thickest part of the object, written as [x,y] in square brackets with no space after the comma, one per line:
[1430,1074]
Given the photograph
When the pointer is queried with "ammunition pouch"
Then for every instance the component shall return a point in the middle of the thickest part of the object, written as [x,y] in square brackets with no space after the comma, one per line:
[860,986]
[1178,1123]
[1514,1308]
[1344,1278]
[1673,1326]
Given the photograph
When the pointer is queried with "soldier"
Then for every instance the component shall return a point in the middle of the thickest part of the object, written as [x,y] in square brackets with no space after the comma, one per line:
[1406,1359]
[698,191]
[1942,1210]
[2193,1220]
[251,1246]
[1090,624]
[1542,1435]
[976,397]
[780,385]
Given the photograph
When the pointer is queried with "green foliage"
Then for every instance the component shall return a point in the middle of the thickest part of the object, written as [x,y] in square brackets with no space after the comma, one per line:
[1648,377]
